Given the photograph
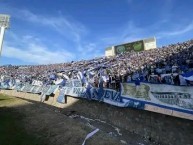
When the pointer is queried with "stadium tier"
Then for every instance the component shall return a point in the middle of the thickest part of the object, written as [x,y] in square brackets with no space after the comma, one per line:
[166,65]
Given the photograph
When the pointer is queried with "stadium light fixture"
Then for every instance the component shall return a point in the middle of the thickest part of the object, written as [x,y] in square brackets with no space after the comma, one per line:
[4,24]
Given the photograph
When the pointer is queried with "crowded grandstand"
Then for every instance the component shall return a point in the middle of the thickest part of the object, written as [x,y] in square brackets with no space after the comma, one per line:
[166,65]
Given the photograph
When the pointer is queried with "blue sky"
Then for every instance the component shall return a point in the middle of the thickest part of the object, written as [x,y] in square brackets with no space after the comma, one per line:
[54,31]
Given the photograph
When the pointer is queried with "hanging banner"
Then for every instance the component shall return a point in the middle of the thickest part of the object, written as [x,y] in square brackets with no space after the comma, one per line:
[45,89]
[51,89]
[36,89]
[27,88]
[165,99]
[103,95]
[61,97]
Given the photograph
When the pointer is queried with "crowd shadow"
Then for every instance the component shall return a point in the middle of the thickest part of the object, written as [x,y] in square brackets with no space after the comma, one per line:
[148,125]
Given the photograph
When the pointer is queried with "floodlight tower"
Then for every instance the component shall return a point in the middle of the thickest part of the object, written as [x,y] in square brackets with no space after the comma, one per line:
[4,24]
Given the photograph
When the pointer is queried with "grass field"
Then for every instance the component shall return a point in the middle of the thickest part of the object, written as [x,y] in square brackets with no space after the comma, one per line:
[12,131]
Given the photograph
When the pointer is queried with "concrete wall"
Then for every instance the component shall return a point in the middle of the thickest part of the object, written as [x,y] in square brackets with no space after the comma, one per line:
[110,51]
[162,128]
[149,43]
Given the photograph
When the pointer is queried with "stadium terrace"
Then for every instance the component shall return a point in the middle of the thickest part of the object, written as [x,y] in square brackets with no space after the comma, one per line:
[167,65]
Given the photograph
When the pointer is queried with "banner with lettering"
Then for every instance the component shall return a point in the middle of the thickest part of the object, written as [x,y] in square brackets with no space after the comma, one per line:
[103,95]
[166,99]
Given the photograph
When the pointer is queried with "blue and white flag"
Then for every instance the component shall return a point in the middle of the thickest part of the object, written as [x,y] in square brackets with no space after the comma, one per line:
[61,97]
[66,77]
[188,76]
[80,75]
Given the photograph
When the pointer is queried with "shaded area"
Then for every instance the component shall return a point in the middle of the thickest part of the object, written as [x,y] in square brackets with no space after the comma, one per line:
[5,99]
[37,124]
[152,127]
[12,129]
[74,120]
[86,112]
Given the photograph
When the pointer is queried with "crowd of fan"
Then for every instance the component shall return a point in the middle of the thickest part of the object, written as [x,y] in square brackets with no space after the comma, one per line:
[163,65]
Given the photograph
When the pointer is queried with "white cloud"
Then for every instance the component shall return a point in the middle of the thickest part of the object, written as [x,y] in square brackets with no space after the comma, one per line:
[70,28]
[37,54]
[64,26]
[32,51]
[127,33]
[178,31]
[131,32]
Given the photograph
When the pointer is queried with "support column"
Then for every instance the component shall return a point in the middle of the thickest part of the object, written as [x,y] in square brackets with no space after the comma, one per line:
[1,38]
